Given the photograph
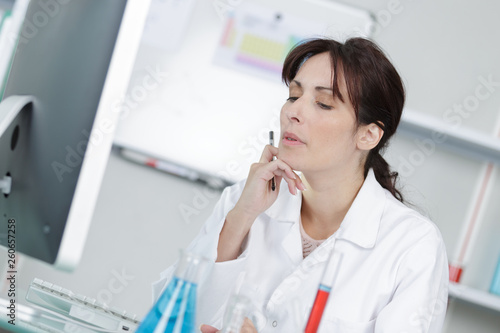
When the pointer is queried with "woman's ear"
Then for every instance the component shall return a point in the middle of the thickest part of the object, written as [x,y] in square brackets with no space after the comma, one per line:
[369,136]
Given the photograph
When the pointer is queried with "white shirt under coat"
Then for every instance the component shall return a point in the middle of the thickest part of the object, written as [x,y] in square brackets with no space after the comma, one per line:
[393,275]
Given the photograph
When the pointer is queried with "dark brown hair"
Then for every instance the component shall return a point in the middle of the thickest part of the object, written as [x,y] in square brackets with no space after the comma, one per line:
[374,89]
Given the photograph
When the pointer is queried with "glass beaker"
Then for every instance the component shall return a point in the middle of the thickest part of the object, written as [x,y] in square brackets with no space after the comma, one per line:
[175,310]
[237,309]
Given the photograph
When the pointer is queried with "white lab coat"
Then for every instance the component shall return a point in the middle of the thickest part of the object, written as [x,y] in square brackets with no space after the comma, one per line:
[393,276]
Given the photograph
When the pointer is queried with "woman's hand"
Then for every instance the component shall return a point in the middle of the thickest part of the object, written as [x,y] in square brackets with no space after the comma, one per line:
[257,195]
[246,328]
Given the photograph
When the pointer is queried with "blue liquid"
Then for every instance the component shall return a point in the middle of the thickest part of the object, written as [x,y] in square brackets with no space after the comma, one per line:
[495,283]
[174,312]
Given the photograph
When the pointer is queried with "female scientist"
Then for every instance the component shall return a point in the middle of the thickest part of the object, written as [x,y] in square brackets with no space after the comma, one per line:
[345,102]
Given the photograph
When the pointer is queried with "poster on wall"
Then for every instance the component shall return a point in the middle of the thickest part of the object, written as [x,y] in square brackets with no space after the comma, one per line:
[256,40]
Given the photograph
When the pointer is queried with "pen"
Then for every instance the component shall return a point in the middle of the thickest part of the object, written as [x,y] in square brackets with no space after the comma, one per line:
[271,142]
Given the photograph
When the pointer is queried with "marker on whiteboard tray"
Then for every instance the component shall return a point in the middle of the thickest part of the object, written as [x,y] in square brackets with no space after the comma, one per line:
[174,169]
[271,142]
[161,165]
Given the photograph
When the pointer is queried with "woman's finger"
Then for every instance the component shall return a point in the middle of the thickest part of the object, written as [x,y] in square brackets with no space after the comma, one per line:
[283,173]
[208,329]
[281,168]
[280,165]
[248,327]
[266,171]
[292,184]
[268,154]
[267,157]
[267,175]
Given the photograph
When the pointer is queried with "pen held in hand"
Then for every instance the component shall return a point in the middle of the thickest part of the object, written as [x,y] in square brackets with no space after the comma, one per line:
[271,142]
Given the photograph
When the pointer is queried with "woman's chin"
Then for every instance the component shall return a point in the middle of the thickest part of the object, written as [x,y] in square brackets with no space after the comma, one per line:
[294,163]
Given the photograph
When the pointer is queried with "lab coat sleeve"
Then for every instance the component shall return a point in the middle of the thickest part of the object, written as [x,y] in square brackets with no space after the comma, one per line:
[221,276]
[420,299]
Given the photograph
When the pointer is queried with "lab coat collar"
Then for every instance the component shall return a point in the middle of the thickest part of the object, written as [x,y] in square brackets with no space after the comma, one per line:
[361,223]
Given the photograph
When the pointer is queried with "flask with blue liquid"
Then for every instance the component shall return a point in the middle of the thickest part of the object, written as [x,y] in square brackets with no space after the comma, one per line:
[495,283]
[175,310]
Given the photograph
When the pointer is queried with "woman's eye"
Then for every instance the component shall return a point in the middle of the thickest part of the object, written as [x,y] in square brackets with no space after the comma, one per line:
[292,99]
[324,106]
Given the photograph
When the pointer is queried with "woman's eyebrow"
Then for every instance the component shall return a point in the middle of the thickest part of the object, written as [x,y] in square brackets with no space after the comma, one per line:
[318,88]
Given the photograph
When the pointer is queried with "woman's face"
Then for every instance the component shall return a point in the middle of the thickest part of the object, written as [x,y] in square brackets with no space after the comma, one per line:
[318,132]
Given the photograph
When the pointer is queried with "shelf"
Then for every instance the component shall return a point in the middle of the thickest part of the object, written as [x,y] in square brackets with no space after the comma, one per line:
[462,140]
[474,296]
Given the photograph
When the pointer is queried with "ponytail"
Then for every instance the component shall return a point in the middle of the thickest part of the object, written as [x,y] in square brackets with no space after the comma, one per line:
[386,178]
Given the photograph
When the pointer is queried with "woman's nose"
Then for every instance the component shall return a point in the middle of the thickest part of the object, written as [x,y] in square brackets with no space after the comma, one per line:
[294,112]
[294,119]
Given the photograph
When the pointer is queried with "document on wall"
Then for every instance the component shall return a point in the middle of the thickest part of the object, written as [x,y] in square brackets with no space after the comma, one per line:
[256,39]
[167,22]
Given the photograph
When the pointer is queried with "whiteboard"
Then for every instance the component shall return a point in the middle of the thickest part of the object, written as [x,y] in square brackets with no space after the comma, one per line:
[193,107]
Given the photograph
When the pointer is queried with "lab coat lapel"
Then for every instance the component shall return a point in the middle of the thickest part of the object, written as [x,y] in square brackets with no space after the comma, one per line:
[292,244]
[360,225]
[286,212]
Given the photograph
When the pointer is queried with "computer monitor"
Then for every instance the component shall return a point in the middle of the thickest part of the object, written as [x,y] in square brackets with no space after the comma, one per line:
[70,70]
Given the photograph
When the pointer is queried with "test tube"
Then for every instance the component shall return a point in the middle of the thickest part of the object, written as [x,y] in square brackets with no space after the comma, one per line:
[324,291]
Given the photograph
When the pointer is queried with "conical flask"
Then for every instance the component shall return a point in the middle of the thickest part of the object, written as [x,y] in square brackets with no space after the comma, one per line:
[175,310]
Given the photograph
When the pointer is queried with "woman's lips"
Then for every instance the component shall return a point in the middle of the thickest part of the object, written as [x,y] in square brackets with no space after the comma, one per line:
[291,139]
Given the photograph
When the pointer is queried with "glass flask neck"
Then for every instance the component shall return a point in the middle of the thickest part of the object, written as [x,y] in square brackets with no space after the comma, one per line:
[190,267]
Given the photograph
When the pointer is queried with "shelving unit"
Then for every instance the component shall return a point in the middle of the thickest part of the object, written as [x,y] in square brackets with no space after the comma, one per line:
[460,139]
[466,142]
[474,296]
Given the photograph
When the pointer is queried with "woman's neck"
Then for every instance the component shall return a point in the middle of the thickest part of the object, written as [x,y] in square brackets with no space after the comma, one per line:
[327,200]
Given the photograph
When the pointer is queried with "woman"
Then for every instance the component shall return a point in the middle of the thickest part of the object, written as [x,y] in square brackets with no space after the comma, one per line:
[345,103]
